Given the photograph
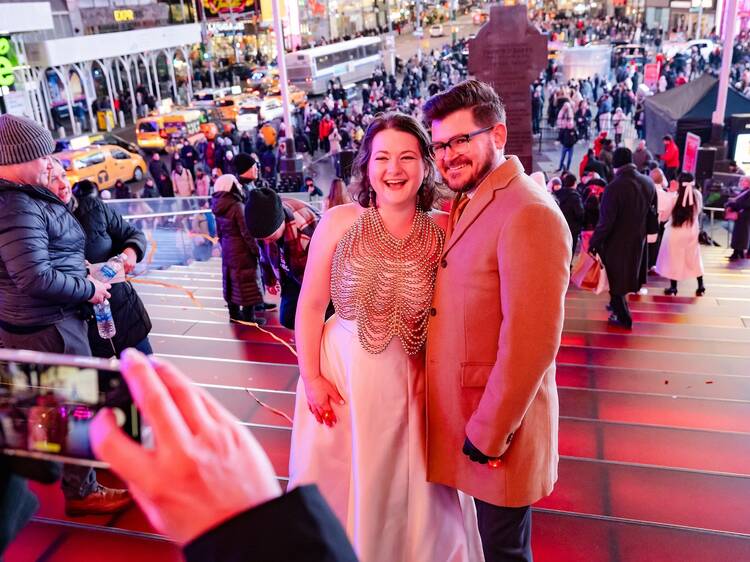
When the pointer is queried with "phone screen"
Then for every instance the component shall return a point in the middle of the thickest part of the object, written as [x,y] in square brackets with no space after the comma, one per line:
[47,404]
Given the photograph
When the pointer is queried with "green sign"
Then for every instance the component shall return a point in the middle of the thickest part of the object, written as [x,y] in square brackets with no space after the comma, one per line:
[8,62]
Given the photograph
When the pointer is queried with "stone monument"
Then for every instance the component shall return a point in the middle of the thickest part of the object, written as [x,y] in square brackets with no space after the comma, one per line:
[509,53]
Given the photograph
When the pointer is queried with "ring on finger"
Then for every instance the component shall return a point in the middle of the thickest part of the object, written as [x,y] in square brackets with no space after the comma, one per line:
[327,415]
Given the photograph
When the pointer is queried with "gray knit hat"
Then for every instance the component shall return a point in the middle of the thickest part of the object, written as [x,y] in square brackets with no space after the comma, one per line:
[23,140]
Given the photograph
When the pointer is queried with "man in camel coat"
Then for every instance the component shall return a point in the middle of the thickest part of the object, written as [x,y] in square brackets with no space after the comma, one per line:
[496,323]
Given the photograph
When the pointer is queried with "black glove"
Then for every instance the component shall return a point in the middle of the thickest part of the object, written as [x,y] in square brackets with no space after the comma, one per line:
[475,454]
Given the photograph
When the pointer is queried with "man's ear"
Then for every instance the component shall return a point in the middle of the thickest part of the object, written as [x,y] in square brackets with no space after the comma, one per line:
[500,135]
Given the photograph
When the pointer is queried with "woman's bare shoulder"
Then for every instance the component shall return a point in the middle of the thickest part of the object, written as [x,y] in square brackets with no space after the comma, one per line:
[337,220]
[440,218]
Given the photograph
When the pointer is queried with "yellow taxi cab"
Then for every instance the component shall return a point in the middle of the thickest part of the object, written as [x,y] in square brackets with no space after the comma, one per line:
[229,106]
[297,96]
[102,164]
[155,131]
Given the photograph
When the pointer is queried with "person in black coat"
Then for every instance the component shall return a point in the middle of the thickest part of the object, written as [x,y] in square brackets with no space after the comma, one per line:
[149,190]
[595,165]
[571,206]
[122,191]
[159,172]
[741,231]
[223,504]
[108,235]
[620,234]
[239,251]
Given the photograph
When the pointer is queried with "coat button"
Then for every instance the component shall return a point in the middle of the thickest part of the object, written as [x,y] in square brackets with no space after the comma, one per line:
[443,263]
[433,312]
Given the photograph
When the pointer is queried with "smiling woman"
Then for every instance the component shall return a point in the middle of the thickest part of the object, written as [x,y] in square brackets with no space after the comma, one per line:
[416,151]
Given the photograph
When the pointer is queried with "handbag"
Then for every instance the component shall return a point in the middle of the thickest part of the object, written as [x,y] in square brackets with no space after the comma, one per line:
[730,214]
[589,273]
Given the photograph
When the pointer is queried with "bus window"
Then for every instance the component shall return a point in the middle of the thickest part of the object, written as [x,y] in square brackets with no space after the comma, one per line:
[225,103]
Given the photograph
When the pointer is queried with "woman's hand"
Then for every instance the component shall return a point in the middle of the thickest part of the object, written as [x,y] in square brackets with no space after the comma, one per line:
[319,393]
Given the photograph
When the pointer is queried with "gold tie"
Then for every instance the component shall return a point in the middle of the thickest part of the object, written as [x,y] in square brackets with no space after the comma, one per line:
[459,204]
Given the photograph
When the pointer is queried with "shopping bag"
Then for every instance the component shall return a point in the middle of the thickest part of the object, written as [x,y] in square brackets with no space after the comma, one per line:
[588,273]
[730,215]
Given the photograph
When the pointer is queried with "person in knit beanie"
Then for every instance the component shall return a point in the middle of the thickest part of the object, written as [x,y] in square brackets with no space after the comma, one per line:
[44,287]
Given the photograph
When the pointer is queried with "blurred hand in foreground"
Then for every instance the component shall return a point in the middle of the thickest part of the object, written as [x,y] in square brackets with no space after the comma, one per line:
[205,467]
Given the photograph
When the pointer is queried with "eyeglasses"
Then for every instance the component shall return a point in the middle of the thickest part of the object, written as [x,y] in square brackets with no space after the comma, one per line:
[458,144]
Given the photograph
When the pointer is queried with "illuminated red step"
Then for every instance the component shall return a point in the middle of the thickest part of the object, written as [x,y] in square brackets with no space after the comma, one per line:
[657,495]
[633,379]
[559,537]
[715,333]
[650,343]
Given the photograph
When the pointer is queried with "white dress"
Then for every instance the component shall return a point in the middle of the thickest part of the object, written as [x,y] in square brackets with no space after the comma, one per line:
[680,254]
[371,466]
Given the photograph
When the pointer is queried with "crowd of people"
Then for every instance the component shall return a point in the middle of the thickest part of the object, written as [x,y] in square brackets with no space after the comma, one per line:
[371,286]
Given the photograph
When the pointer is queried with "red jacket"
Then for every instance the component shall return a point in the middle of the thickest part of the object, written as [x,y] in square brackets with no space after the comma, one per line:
[671,156]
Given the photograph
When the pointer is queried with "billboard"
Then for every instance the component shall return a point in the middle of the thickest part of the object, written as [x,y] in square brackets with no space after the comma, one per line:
[221,7]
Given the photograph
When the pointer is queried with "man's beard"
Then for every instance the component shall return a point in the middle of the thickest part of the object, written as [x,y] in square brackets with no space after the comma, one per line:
[475,179]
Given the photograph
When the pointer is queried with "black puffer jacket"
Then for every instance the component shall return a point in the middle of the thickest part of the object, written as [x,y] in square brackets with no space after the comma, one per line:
[239,250]
[42,271]
[107,235]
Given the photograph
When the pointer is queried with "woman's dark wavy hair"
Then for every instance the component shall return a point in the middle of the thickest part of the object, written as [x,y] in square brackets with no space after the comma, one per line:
[680,214]
[361,189]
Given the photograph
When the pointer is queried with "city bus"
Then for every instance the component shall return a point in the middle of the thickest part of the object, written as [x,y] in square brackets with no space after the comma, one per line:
[352,61]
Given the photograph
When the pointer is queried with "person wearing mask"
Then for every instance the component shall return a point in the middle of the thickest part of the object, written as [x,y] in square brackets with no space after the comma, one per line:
[741,231]
[642,156]
[182,180]
[108,235]
[620,234]
[571,206]
[44,287]
[149,190]
[283,228]
[225,503]
[239,251]
[680,253]
[202,183]
[670,158]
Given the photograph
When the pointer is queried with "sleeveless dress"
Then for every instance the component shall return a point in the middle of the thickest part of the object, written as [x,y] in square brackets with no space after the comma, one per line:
[371,466]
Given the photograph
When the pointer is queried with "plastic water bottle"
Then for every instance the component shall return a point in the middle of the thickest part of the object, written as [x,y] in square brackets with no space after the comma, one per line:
[104,321]
[110,269]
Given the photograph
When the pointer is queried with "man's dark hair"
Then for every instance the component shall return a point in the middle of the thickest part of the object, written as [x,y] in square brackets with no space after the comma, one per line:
[569,180]
[486,106]
[667,137]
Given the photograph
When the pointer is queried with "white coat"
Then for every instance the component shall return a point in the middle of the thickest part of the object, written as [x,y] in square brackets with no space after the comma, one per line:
[680,254]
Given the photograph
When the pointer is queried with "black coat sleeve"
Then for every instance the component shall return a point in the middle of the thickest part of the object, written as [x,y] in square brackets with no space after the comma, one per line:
[24,249]
[297,527]
[123,234]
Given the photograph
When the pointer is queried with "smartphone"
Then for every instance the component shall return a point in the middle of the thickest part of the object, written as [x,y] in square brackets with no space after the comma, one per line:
[47,402]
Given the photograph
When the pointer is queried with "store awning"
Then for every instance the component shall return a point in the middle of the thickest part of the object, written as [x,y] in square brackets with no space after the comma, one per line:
[71,50]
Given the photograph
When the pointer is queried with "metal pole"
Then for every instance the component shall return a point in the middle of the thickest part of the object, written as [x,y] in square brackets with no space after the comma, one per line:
[700,19]
[730,15]
[388,15]
[209,45]
[281,62]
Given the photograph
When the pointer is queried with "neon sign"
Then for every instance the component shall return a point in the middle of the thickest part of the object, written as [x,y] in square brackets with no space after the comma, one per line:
[124,15]
[7,78]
